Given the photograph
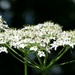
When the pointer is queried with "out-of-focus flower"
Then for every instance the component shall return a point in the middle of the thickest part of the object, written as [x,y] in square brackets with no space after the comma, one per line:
[5,4]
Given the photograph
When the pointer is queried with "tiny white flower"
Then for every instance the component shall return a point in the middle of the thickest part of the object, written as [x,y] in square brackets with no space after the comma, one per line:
[21,46]
[54,45]
[42,44]
[3,49]
[41,54]
[34,48]
[48,49]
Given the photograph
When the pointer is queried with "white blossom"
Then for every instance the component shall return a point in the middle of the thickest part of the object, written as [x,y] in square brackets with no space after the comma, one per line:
[41,54]
[34,48]
[3,49]
[21,46]
[42,44]
[48,49]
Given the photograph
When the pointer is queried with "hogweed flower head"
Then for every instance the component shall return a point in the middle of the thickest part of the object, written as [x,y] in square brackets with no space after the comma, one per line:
[40,38]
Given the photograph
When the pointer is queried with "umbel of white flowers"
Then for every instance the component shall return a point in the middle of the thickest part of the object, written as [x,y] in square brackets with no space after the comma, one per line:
[38,38]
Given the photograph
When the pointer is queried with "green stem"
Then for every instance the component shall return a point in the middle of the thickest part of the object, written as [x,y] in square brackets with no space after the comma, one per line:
[32,61]
[45,60]
[13,51]
[58,54]
[67,62]
[43,72]
[39,59]
[25,69]
[20,58]
[16,56]
[58,57]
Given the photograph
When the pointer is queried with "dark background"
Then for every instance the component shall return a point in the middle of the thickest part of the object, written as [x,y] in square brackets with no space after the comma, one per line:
[22,12]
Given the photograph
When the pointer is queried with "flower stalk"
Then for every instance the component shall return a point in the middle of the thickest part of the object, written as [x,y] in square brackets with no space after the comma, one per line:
[57,57]
[25,68]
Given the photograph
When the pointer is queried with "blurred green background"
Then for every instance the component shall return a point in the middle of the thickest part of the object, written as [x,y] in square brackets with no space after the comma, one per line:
[22,12]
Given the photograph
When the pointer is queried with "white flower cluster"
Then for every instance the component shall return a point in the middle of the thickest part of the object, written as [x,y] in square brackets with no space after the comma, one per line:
[64,38]
[39,39]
